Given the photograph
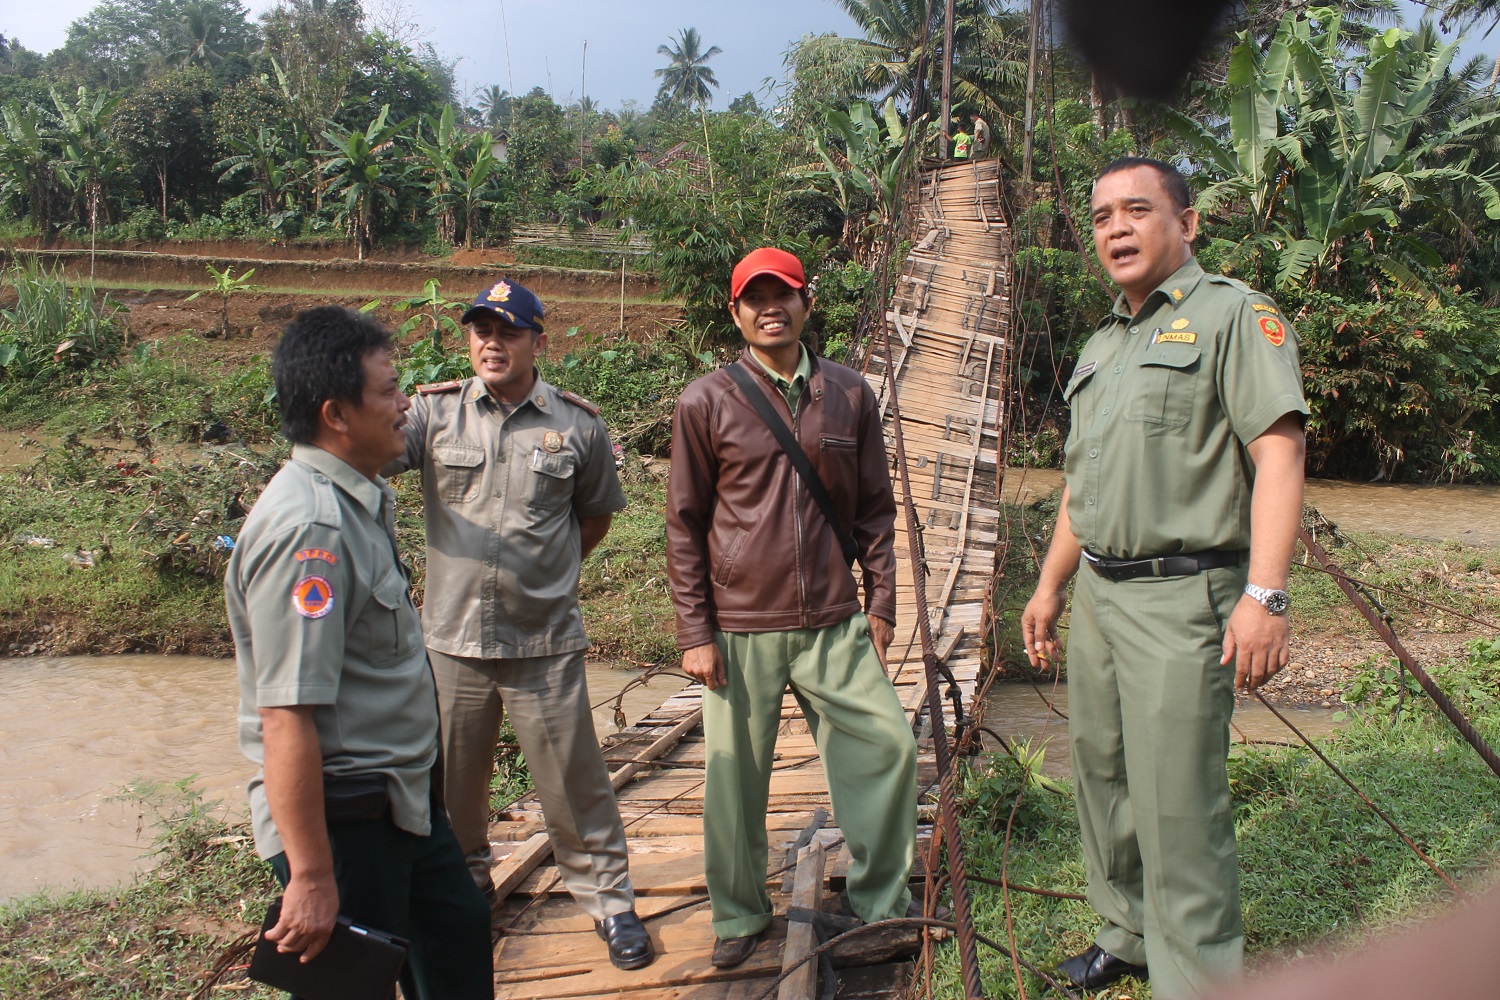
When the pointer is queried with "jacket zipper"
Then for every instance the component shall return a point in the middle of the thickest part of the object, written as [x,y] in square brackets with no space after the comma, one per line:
[797,520]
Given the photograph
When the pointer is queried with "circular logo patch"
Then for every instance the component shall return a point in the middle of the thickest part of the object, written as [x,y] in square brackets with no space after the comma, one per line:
[552,441]
[312,596]
[1181,324]
[1274,330]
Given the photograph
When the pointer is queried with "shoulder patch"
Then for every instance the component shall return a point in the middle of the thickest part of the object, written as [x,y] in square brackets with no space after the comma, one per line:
[1273,329]
[432,387]
[579,401]
[312,596]
[1262,307]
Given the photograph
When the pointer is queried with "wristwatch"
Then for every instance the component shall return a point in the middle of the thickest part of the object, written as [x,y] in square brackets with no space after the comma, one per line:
[1276,602]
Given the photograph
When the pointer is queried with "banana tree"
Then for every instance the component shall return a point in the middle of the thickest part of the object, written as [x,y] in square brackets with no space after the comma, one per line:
[864,177]
[28,162]
[1330,177]
[366,168]
[264,157]
[440,156]
[89,158]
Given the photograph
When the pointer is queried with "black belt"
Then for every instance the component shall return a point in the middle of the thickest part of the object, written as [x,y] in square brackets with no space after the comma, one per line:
[1183,564]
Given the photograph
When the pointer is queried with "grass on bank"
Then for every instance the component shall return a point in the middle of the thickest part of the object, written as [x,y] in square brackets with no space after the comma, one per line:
[1317,867]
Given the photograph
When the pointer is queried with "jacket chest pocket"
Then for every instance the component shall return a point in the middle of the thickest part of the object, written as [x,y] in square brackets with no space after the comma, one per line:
[459,470]
[838,460]
[1163,387]
[550,481]
[384,631]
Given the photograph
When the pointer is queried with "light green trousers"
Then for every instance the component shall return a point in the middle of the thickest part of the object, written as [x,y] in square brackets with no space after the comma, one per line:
[1149,732]
[869,758]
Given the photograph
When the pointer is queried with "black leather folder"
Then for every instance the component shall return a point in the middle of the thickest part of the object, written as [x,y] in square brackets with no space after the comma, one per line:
[359,963]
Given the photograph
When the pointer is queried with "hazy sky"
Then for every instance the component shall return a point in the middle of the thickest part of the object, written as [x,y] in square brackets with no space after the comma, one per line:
[547,39]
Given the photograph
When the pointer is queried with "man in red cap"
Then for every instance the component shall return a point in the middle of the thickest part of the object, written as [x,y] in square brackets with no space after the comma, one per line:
[765,594]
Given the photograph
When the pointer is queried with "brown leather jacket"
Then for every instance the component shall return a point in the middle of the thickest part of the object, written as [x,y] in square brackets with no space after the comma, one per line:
[747,548]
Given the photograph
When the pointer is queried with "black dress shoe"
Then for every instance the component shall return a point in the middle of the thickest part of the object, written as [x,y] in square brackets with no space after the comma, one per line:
[629,944]
[1097,968]
[729,952]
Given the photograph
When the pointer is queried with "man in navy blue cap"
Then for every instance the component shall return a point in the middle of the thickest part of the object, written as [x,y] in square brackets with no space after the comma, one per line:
[518,485]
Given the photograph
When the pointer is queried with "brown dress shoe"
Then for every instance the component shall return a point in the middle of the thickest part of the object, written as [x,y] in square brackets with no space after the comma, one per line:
[729,952]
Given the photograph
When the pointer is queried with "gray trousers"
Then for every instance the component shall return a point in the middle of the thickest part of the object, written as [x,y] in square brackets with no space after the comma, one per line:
[548,701]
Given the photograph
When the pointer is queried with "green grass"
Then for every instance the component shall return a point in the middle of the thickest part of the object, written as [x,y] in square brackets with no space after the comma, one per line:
[158,936]
[1317,866]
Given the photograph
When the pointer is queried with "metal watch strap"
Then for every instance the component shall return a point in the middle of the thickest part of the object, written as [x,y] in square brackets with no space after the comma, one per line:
[1276,602]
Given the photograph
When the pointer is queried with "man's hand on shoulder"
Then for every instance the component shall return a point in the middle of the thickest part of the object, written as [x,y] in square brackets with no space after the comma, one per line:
[309,909]
[1257,641]
[705,664]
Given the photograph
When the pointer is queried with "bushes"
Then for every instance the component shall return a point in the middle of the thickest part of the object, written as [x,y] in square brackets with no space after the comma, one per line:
[54,328]
[1399,388]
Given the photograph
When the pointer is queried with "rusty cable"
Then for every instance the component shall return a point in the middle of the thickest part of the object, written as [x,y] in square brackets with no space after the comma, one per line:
[967,950]
[1383,629]
[1365,798]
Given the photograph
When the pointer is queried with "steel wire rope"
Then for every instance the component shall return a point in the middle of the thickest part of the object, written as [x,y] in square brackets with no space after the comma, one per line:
[968,956]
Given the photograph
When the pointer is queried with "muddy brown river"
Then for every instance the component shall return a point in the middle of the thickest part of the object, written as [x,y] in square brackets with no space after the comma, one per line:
[1459,513]
[80,730]
[1019,713]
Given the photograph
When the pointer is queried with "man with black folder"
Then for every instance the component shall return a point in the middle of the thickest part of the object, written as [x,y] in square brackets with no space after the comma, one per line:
[779,484]
[337,702]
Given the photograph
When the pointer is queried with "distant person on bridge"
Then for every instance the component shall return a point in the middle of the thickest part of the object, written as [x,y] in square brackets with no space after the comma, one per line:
[1183,493]
[518,487]
[762,578]
[336,698]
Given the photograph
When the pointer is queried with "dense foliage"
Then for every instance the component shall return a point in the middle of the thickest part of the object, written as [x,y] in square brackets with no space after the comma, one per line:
[1341,161]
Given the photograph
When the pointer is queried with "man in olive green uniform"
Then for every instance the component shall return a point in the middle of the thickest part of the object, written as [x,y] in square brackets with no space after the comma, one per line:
[336,698]
[518,486]
[1183,494]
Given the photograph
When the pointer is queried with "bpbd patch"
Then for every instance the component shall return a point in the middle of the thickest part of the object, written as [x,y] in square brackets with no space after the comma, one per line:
[312,596]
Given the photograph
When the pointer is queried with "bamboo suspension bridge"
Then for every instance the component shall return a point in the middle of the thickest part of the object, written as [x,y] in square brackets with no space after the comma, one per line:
[940,364]
[947,327]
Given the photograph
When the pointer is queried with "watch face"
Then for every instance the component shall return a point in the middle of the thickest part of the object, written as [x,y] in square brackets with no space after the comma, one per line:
[1277,602]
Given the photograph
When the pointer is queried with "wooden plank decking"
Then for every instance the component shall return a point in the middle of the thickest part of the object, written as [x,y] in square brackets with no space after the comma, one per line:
[948,326]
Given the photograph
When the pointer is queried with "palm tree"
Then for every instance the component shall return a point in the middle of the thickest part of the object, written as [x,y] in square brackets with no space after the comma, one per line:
[687,79]
[495,104]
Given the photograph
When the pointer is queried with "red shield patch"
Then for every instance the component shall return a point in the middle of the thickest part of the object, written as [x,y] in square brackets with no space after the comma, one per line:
[1274,330]
[312,596]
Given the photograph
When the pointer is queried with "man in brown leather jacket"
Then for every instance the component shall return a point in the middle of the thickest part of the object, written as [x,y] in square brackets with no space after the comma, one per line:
[765,598]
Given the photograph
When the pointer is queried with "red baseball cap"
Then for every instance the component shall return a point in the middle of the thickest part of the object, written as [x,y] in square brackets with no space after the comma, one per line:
[766,260]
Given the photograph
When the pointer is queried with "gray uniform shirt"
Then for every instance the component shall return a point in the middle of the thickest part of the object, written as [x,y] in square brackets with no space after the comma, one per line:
[321,615]
[502,495]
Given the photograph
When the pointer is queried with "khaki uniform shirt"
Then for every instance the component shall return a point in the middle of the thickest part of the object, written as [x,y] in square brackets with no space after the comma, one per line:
[1163,406]
[321,615]
[502,495]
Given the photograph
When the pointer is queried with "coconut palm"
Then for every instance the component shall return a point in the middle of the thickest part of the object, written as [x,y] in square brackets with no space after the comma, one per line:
[494,103]
[687,79]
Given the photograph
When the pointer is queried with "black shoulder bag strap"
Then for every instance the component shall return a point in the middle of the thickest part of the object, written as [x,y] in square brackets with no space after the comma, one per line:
[783,433]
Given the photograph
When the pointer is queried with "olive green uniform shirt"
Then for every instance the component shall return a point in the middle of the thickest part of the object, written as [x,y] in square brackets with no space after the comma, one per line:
[1164,403]
[321,615]
[502,494]
[791,390]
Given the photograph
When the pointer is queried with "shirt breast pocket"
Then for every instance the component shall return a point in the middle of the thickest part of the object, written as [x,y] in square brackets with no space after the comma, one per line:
[551,480]
[384,632]
[1165,384]
[459,470]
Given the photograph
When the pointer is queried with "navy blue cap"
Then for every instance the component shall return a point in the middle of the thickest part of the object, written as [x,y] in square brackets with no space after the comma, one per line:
[513,303]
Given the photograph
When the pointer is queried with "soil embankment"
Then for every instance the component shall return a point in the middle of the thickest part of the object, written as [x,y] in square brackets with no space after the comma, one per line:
[153,283]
